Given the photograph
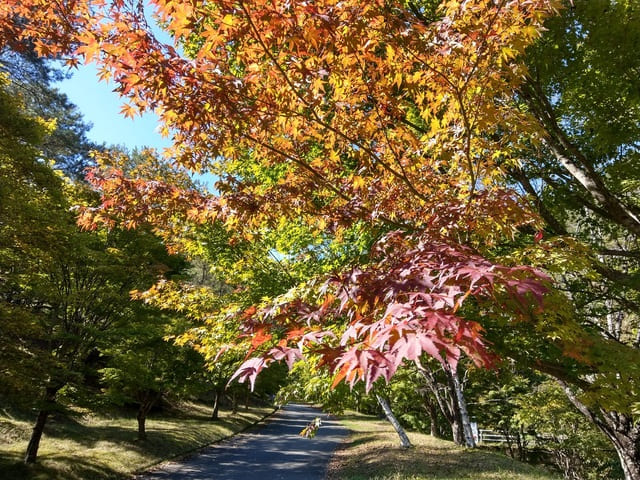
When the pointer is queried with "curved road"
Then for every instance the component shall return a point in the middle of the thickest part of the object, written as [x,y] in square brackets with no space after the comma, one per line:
[273,451]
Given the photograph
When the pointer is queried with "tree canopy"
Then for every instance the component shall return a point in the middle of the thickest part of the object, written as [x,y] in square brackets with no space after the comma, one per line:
[481,153]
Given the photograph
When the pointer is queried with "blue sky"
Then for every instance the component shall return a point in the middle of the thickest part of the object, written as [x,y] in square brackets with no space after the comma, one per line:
[100,106]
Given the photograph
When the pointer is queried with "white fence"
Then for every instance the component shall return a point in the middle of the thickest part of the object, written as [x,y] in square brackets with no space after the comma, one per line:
[491,436]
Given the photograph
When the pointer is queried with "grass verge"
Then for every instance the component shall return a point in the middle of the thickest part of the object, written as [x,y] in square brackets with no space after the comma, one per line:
[100,447]
[372,452]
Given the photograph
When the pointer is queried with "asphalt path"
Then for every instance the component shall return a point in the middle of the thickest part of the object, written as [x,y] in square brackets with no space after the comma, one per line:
[273,451]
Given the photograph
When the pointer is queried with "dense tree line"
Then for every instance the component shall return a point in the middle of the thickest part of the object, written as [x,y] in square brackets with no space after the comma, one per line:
[71,331]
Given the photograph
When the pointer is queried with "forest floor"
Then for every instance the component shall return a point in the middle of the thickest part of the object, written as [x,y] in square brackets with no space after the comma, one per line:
[81,445]
[372,452]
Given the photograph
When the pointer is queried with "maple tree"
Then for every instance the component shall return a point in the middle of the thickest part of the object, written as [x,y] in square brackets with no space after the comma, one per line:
[382,115]
[142,367]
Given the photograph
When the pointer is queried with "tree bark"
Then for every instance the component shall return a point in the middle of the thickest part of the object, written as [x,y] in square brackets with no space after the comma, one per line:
[404,440]
[507,434]
[624,433]
[234,402]
[142,418]
[522,445]
[456,430]
[461,408]
[31,454]
[621,429]
[433,416]
[34,442]
[216,406]
[448,405]
[627,445]
[575,162]
[147,403]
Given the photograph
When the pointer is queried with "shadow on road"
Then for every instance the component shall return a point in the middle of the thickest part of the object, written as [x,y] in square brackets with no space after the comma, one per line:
[273,451]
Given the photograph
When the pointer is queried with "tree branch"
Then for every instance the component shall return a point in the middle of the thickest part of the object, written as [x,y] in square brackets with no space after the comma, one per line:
[573,160]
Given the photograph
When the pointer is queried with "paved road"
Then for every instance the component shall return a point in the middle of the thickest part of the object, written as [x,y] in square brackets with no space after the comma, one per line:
[274,451]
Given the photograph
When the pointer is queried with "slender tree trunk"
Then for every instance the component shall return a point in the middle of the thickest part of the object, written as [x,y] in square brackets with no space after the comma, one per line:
[464,413]
[433,416]
[404,440]
[522,445]
[234,402]
[247,396]
[447,403]
[216,405]
[142,419]
[575,162]
[552,223]
[34,442]
[507,434]
[147,403]
[456,430]
[36,435]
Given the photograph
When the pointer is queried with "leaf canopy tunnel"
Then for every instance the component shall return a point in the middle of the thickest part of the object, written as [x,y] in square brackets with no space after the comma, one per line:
[333,113]
[367,156]
[399,118]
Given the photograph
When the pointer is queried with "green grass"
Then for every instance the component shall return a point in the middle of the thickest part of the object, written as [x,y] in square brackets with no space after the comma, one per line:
[87,446]
[372,452]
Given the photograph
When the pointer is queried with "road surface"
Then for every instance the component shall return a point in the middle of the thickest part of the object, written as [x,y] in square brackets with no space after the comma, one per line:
[273,451]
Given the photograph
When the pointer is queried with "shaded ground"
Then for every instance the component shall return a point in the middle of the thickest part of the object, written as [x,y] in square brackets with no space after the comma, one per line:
[274,451]
[372,452]
[82,445]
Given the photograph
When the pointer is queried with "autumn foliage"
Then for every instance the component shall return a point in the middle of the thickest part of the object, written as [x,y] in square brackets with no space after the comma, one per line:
[404,304]
[392,114]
